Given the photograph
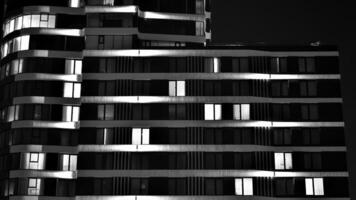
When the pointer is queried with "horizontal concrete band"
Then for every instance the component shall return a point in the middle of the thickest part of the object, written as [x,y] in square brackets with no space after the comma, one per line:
[171,148]
[165,99]
[204,173]
[171,76]
[202,123]
[168,173]
[169,53]
[48,77]
[202,99]
[112,31]
[207,76]
[43,174]
[44,124]
[129,9]
[46,100]
[166,197]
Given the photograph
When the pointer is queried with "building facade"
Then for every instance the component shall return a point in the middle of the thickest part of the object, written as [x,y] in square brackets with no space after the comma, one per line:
[127,99]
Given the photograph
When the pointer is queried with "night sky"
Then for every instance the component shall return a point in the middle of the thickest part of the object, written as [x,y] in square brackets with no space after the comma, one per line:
[297,22]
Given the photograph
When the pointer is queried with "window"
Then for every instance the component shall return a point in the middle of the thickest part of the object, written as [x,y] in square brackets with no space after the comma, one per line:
[74,3]
[308,88]
[34,161]
[70,113]
[34,186]
[106,112]
[216,65]
[73,67]
[199,27]
[212,112]
[17,44]
[309,112]
[108,2]
[306,65]
[243,186]
[10,114]
[241,112]
[72,90]
[140,136]
[314,186]
[69,162]
[283,161]
[176,88]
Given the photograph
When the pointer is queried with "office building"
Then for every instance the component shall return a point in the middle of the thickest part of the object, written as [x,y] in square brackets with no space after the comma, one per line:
[129,99]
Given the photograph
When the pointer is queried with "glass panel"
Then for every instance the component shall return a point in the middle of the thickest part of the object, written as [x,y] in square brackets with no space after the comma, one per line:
[34,157]
[67,113]
[10,114]
[78,67]
[172,88]
[18,23]
[109,112]
[245,111]
[35,21]
[218,112]
[12,25]
[209,111]
[146,136]
[52,21]
[17,44]
[26,21]
[248,186]
[65,162]
[238,186]
[32,182]
[136,136]
[288,161]
[68,90]
[216,65]
[180,88]
[25,42]
[77,90]
[278,161]
[75,114]
[237,112]
[101,110]
[74,3]
[69,67]
[318,186]
[73,163]
[309,186]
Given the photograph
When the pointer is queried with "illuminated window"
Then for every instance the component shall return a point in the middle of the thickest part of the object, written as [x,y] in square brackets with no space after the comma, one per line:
[69,162]
[140,136]
[314,186]
[241,112]
[10,114]
[74,3]
[35,161]
[244,186]
[34,186]
[283,161]
[212,112]
[176,88]
[73,67]
[72,90]
[216,65]
[70,113]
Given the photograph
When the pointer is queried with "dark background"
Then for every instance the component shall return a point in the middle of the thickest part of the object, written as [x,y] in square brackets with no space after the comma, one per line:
[297,22]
